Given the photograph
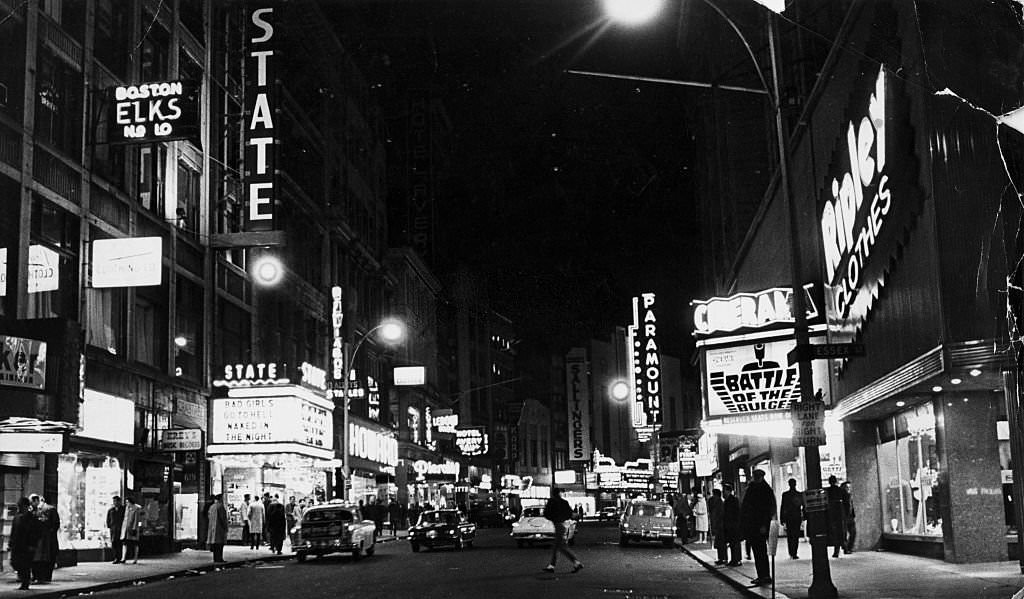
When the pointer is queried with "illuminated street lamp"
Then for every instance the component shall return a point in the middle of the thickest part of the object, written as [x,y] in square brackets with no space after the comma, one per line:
[821,583]
[632,12]
[267,270]
[620,390]
[391,331]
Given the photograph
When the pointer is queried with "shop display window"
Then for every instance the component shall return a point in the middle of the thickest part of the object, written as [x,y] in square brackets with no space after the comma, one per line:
[86,487]
[908,467]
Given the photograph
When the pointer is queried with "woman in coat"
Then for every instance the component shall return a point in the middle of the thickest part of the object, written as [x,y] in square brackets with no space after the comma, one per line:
[23,540]
[700,514]
[217,529]
[131,529]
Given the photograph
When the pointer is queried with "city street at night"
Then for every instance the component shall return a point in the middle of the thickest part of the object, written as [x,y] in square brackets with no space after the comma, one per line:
[493,568]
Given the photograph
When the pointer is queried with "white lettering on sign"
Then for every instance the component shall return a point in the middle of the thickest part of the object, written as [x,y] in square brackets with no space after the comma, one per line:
[425,468]
[259,372]
[261,128]
[853,219]
[272,419]
[643,349]
[471,441]
[337,339]
[578,388]
[446,423]
[151,111]
[763,383]
[313,376]
[749,310]
[372,445]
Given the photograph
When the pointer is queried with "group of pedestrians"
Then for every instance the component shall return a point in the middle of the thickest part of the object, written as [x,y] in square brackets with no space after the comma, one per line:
[266,520]
[33,541]
[733,521]
[124,523]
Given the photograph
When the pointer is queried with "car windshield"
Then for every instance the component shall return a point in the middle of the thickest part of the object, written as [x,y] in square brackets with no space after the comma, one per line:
[645,510]
[533,512]
[439,518]
[326,515]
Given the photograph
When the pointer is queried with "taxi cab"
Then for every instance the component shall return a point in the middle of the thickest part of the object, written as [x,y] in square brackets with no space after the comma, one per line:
[334,528]
[647,521]
[437,528]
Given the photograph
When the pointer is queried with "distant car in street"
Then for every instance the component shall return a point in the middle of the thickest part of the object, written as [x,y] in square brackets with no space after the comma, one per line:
[647,521]
[532,527]
[333,528]
[439,528]
[486,514]
[608,513]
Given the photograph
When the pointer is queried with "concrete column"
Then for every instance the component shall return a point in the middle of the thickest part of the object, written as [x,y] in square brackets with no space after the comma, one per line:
[970,491]
[862,473]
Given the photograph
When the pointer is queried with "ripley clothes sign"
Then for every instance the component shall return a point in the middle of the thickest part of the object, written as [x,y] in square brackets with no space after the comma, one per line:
[755,378]
[577,388]
[868,202]
[150,112]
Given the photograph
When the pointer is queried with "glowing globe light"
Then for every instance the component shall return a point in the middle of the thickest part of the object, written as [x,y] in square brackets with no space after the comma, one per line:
[619,390]
[268,271]
[392,331]
[632,12]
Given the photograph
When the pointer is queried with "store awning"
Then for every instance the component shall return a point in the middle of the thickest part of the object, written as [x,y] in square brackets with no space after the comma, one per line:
[32,436]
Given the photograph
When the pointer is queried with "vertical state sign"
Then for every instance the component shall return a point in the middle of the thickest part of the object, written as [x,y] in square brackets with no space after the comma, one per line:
[260,122]
[578,395]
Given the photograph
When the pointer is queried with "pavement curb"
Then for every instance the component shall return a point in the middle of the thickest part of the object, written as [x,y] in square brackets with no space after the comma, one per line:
[185,572]
[735,579]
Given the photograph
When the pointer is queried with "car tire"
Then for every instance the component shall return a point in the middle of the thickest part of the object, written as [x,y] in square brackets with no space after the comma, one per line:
[460,543]
[357,553]
[415,547]
[623,540]
[300,556]
[371,549]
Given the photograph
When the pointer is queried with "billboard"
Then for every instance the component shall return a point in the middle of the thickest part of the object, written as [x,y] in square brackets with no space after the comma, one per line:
[755,378]
[577,389]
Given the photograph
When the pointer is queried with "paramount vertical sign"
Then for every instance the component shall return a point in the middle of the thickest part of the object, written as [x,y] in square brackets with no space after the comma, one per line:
[577,390]
[260,125]
[642,337]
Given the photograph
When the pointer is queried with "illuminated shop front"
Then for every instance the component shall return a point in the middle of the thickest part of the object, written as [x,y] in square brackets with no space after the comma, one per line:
[432,482]
[373,453]
[268,435]
[927,411]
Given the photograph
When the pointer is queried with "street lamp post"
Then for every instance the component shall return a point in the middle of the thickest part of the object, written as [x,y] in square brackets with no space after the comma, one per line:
[821,583]
[391,332]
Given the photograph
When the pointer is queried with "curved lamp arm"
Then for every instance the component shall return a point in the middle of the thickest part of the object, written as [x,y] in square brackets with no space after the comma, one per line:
[750,52]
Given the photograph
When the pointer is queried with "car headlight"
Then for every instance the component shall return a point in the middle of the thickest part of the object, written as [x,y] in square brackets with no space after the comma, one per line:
[515,525]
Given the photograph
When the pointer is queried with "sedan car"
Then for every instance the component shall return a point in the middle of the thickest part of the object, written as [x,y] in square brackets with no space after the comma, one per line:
[333,528]
[438,528]
[532,527]
[648,521]
[608,513]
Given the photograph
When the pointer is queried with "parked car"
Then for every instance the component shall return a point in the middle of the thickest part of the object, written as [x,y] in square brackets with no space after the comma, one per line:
[647,521]
[532,527]
[437,528]
[333,528]
[608,513]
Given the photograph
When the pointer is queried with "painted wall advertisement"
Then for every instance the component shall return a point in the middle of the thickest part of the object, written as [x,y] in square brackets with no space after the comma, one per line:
[578,390]
[755,379]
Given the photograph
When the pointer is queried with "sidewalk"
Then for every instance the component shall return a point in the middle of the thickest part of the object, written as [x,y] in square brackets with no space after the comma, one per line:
[873,575]
[90,577]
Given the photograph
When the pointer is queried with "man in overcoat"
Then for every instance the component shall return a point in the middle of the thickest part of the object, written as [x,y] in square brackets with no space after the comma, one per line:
[23,540]
[217,530]
[731,535]
[115,519]
[46,550]
[756,514]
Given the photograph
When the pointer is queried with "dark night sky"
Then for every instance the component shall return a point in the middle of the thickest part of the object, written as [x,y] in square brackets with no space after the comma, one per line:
[568,194]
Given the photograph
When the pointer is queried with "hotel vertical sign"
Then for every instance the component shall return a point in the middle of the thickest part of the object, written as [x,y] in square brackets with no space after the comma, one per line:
[642,338]
[577,389]
[260,123]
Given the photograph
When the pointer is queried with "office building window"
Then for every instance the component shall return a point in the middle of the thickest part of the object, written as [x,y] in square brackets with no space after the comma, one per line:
[113,35]
[155,44]
[151,179]
[58,104]
[106,314]
[187,211]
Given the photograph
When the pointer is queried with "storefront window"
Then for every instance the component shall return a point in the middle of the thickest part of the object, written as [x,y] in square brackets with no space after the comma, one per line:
[908,470]
[86,487]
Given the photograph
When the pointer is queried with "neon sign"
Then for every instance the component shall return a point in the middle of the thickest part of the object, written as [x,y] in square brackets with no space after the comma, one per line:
[260,127]
[749,310]
[643,348]
[150,112]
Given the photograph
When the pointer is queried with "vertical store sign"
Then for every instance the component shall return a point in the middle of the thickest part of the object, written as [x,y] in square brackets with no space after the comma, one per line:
[260,151]
[577,388]
[646,360]
[337,342]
